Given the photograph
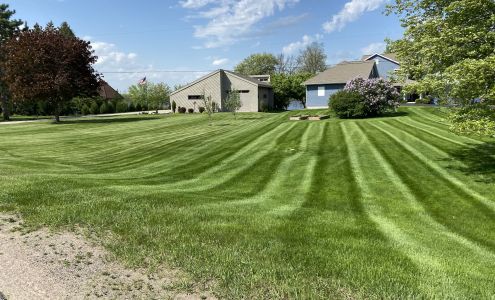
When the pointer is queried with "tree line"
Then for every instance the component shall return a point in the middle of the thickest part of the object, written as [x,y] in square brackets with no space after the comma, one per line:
[48,70]
[287,72]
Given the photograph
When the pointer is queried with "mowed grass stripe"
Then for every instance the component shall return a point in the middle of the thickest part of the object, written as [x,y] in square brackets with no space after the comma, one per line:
[446,204]
[489,204]
[430,266]
[449,249]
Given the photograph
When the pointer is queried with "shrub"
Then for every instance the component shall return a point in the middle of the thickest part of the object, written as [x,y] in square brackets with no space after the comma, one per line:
[477,119]
[201,109]
[104,109]
[94,108]
[139,107]
[347,104]
[174,106]
[377,95]
[121,107]
[182,110]
[131,107]
[190,110]
[85,109]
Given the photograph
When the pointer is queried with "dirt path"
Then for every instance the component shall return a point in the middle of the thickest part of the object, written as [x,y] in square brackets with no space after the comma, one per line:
[46,265]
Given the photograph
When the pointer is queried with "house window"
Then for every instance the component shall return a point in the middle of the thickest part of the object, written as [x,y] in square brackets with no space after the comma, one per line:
[239,91]
[321,91]
[194,97]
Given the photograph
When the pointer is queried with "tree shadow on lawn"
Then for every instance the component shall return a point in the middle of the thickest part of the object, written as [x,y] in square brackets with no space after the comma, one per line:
[478,160]
[105,120]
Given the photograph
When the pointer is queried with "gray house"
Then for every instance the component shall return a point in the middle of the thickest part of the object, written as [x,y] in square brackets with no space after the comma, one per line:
[256,92]
[320,87]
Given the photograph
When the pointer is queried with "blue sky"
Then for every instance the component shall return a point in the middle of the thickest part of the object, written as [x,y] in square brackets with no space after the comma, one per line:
[195,36]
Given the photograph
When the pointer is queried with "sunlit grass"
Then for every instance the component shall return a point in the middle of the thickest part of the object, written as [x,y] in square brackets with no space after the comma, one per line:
[391,207]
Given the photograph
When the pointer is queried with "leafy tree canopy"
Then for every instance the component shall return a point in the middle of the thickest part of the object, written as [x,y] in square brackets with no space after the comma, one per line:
[45,65]
[448,47]
[257,64]
[8,27]
[152,94]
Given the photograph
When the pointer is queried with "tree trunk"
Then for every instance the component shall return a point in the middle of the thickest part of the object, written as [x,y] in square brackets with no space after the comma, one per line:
[5,108]
[57,118]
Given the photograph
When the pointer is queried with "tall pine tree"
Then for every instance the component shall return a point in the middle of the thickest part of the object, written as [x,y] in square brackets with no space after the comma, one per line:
[8,27]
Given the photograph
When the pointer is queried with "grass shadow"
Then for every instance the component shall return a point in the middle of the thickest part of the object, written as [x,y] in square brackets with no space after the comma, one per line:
[478,160]
[104,120]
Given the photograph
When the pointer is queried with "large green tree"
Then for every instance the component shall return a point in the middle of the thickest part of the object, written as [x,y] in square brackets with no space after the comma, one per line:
[46,65]
[8,27]
[288,87]
[150,95]
[448,47]
[257,64]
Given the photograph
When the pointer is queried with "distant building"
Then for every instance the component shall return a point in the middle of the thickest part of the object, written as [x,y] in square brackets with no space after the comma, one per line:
[320,87]
[107,92]
[256,92]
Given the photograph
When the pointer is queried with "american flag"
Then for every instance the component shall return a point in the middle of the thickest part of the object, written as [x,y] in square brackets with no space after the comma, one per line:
[142,81]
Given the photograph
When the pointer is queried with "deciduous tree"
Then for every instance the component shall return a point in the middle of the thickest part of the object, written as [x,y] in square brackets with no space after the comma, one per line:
[257,64]
[312,59]
[46,65]
[233,102]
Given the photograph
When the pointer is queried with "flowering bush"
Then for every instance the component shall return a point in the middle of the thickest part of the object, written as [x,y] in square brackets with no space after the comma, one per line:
[378,95]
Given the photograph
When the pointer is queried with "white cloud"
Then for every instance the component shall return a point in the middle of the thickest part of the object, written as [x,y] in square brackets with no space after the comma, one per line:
[231,20]
[220,61]
[374,48]
[122,69]
[195,3]
[351,12]
[110,57]
[306,40]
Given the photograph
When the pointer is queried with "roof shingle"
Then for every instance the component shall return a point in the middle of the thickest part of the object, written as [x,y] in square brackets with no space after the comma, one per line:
[343,72]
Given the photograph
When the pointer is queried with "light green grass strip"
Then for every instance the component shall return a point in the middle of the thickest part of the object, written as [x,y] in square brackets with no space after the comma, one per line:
[431,267]
[417,208]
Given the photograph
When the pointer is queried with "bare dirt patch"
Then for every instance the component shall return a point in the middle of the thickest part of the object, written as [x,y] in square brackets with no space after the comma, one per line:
[63,265]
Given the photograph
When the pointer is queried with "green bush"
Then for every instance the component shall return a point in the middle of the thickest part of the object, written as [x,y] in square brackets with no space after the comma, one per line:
[347,104]
[182,110]
[121,107]
[104,108]
[174,106]
[131,107]
[85,109]
[190,110]
[139,107]
[201,109]
[477,119]
[94,108]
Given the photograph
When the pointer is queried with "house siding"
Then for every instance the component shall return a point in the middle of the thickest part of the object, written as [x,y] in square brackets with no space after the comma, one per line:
[315,101]
[385,67]
[265,98]
[210,86]
[218,85]
[249,100]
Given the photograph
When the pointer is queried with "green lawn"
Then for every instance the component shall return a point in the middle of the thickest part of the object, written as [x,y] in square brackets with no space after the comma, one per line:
[393,207]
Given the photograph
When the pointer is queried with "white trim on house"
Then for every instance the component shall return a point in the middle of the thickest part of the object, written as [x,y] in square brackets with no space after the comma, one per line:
[382,56]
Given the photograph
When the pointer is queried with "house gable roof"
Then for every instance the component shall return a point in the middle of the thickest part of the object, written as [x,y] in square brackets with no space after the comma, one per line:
[240,76]
[107,92]
[343,72]
[392,57]
[195,81]
[249,79]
